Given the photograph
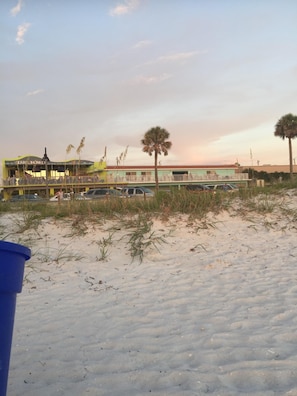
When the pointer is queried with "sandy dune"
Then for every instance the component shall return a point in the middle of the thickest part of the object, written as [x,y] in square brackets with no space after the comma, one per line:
[211,311]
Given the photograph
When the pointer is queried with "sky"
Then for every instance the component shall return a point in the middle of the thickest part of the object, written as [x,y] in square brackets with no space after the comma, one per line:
[216,74]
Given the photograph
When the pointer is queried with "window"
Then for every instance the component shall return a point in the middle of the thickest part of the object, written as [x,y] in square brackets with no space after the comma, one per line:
[131,176]
[180,175]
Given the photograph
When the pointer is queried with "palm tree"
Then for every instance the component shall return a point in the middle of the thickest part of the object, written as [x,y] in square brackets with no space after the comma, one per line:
[286,127]
[154,141]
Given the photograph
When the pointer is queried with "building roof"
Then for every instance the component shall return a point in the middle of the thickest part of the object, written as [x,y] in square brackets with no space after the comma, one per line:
[33,160]
[270,168]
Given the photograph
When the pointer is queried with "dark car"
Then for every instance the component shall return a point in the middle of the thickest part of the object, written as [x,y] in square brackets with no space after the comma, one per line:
[26,197]
[197,188]
[101,193]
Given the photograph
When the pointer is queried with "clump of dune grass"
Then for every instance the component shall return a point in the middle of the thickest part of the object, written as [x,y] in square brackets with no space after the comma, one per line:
[262,204]
[141,236]
[104,244]
[78,225]
[27,220]
[49,254]
[22,222]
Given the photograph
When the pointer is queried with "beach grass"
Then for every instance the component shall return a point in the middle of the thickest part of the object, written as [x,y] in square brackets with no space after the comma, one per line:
[164,205]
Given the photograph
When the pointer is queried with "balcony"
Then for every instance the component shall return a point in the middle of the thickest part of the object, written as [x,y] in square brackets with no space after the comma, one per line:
[177,179]
[111,179]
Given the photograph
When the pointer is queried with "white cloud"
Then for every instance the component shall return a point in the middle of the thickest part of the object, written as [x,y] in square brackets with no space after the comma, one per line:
[36,92]
[22,29]
[15,10]
[178,57]
[147,80]
[124,8]
[142,44]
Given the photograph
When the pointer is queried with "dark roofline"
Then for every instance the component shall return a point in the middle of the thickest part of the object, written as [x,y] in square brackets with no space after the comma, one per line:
[33,160]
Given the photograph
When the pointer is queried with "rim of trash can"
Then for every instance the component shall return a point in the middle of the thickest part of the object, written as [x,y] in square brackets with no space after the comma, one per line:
[15,248]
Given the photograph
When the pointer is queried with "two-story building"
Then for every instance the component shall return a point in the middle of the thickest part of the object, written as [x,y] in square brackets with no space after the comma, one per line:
[32,174]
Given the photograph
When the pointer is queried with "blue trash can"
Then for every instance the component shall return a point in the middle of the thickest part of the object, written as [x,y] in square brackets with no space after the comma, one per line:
[12,265]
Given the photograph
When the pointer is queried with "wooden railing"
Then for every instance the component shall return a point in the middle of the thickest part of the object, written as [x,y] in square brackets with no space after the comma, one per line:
[85,180]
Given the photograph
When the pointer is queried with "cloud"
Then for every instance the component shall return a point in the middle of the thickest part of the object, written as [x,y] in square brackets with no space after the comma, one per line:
[147,80]
[22,29]
[180,56]
[36,92]
[15,10]
[142,44]
[124,8]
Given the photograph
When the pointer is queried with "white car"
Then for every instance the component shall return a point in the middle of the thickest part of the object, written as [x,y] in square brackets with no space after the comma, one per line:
[223,187]
[65,197]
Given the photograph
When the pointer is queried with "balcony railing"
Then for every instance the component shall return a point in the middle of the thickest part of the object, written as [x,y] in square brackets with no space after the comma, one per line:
[85,180]
[173,179]
[59,180]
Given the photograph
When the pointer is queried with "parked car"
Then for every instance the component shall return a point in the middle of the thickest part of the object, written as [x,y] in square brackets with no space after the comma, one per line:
[138,192]
[101,193]
[26,197]
[198,188]
[57,197]
[223,187]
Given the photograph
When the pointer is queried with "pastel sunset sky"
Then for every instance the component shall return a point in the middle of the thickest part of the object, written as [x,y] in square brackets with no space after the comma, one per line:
[217,74]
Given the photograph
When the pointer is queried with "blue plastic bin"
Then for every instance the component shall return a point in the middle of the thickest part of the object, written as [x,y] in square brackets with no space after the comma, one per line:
[12,265]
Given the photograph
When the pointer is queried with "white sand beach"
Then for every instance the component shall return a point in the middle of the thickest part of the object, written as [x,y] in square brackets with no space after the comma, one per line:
[211,311]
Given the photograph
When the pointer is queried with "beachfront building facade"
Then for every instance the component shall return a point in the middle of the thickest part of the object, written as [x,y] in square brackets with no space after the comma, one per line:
[175,174]
[32,174]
